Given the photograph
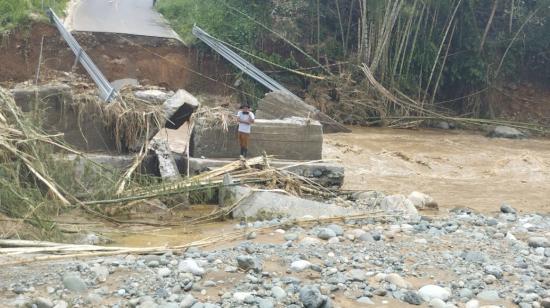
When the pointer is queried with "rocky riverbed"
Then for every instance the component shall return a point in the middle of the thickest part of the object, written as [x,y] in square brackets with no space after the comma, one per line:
[461,259]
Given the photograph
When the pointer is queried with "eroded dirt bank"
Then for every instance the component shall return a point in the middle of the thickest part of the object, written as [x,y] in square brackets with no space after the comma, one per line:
[152,61]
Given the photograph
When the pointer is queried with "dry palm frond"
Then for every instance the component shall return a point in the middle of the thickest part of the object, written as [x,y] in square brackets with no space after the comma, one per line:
[131,120]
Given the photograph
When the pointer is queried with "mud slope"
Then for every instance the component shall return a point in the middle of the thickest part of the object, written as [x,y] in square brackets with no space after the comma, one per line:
[153,61]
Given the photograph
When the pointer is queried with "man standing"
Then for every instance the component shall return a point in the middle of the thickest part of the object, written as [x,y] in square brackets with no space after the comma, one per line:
[246,118]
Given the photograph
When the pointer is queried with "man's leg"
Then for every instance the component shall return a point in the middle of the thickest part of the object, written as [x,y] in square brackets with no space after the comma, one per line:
[241,142]
[245,143]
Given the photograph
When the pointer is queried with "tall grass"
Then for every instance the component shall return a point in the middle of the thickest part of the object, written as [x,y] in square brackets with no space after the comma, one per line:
[14,13]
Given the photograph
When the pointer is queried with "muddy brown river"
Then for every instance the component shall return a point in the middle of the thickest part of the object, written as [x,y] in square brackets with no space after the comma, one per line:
[458,168]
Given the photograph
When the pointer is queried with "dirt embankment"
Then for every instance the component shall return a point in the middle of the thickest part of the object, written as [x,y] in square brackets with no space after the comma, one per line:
[152,61]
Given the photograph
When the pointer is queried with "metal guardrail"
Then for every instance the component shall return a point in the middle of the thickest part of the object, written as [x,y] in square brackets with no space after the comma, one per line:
[106,90]
[247,67]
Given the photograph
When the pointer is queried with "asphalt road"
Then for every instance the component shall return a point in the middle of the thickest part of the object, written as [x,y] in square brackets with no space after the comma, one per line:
[118,16]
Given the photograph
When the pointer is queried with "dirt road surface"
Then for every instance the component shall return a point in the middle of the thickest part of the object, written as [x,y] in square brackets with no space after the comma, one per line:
[458,168]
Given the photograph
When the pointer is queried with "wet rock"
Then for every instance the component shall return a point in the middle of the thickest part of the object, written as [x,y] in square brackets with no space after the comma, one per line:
[265,303]
[241,296]
[188,301]
[101,272]
[337,229]
[153,263]
[507,209]
[357,275]
[94,299]
[399,204]
[190,266]
[422,201]
[94,239]
[164,272]
[311,297]
[42,302]
[474,256]
[429,292]
[437,303]
[246,263]
[74,283]
[290,236]
[325,233]
[494,270]
[506,132]
[310,241]
[488,295]
[538,241]
[398,281]
[278,293]
[61,304]
[472,304]
[366,237]
[365,301]
[300,265]
[412,298]
[442,125]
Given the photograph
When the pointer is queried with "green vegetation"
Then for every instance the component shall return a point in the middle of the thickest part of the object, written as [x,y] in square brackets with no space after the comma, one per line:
[14,13]
[428,50]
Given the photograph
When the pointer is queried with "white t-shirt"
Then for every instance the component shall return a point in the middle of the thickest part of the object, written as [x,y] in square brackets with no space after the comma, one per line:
[243,127]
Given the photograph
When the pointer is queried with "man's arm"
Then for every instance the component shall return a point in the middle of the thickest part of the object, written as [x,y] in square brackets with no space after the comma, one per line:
[251,118]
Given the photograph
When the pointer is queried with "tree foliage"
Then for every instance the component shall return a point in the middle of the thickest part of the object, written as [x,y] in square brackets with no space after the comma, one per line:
[14,13]
[429,48]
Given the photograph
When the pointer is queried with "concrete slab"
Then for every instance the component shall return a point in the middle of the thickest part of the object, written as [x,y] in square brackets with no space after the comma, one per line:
[292,138]
[167,164]
[280,105]
[267,205]
[326,174]
[177,139]
[49,105]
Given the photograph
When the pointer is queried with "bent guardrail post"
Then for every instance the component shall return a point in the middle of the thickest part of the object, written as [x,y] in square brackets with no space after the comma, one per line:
[245,66]
[106,90]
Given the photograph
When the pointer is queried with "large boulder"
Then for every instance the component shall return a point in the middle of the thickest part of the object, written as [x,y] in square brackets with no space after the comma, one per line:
[399,204]
[422,201]
[506,132]
[268,205]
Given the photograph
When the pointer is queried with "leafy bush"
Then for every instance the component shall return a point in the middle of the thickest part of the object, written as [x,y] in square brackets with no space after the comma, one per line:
[14,13]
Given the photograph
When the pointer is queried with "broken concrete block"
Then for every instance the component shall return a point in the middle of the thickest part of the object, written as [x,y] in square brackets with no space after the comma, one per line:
[49,103]
[293,138]
[167,165]
[121,83]
[281,105]
[506,132]
[51,96]
[326,174]
[179,108]
[268,205]
[422,201]
[153,96]
[399,204]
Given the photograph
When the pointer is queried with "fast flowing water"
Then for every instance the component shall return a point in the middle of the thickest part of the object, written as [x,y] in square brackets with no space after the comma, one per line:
[457,168]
